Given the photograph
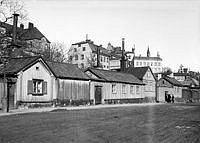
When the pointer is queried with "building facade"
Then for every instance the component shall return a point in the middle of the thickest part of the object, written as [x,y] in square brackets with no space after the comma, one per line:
[84,55]
[155,63]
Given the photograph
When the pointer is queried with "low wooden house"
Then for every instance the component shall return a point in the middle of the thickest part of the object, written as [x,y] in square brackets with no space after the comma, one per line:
[114,87]
[168,86]
[33,80]
[146,75]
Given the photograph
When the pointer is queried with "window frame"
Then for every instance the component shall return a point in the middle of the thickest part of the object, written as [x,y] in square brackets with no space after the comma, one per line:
[33,87]
[114,88]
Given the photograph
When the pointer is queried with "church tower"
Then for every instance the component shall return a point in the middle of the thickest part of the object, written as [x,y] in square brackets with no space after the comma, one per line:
[148,52]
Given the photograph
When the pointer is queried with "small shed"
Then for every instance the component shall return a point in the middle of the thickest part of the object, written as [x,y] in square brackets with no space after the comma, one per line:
[168,86]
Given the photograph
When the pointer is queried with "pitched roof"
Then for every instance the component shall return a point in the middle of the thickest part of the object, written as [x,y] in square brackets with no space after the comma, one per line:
[113,76]
[60,70]
[190,82]
[138,72]
[171,80]
[16,65]
[94,47]
[65,70]
[24,34]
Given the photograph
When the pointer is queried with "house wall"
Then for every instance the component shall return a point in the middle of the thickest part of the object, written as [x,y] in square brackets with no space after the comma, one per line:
[30,74]
[73,89]
[149,88]
[163,86]
[108,94]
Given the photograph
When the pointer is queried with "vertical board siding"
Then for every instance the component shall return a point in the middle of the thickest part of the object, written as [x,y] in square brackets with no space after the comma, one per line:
[30,74]
[73,89]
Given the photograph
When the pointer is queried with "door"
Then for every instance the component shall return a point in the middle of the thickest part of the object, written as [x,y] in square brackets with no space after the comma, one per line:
[11,97]
[98,94]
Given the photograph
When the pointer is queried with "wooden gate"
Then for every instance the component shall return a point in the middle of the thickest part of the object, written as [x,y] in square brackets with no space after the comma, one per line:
[98,94]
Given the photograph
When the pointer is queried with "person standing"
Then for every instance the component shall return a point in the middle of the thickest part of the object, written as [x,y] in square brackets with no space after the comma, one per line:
[172,98]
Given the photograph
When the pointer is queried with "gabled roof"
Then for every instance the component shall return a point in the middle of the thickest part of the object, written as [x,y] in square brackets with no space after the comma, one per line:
[24,34]
[190,82]
[171,80]
[32,33]
[67,71]
[139,72]
[113,76]
[16,65]
[59,70]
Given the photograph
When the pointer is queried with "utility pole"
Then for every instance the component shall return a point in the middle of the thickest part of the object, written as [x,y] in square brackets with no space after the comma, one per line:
[5,98]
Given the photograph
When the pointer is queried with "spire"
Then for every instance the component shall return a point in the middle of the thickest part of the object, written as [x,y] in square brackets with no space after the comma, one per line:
[158,55]
[148,52]
[86,37]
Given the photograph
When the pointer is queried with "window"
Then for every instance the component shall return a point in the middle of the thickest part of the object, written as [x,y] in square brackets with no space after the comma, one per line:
[83,48]
[37,68]
[123,88]
[131,89]
[37,87]
[155,63]
[113,88]
[151,63]
[107,60]
[82,57]
[137,63]
[104,59]
[70,58]
[82,65]
[75,50]
[101,59]
[137,89]
[147,63]
[76,57]
[79,45]
[144,63]
[140,63]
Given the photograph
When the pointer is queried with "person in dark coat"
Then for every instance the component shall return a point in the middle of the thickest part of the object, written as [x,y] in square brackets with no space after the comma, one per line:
[169,98]
[172,98]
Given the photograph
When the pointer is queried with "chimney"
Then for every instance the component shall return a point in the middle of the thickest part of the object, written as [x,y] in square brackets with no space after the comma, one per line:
[15,20]
[30,25]
[185,70]
[123,60]
[22,26]
[98,57]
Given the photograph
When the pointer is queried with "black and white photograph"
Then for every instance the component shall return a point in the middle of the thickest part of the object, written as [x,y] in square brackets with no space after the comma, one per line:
[99,71]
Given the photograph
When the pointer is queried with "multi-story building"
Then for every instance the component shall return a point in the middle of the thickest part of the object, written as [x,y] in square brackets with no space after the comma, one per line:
[155,63]
[84,55]
[30,39]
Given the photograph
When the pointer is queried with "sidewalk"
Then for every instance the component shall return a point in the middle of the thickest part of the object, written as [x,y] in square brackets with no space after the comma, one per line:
[48,109]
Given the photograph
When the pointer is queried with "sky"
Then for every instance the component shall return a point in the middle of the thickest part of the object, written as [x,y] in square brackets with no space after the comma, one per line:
[170,27]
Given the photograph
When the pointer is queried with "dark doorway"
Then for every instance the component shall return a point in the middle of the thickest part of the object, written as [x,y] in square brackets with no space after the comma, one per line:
[166,96]
[11,95]
[98,94]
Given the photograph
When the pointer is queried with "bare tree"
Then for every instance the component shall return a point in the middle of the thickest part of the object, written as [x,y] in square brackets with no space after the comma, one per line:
[56,52]
[8,7]
[167,71]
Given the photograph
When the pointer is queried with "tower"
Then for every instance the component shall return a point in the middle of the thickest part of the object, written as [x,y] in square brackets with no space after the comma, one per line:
[148,52]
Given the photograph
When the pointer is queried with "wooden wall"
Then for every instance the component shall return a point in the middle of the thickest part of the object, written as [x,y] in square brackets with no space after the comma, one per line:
[73,89]
[108,94]
[30,74]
